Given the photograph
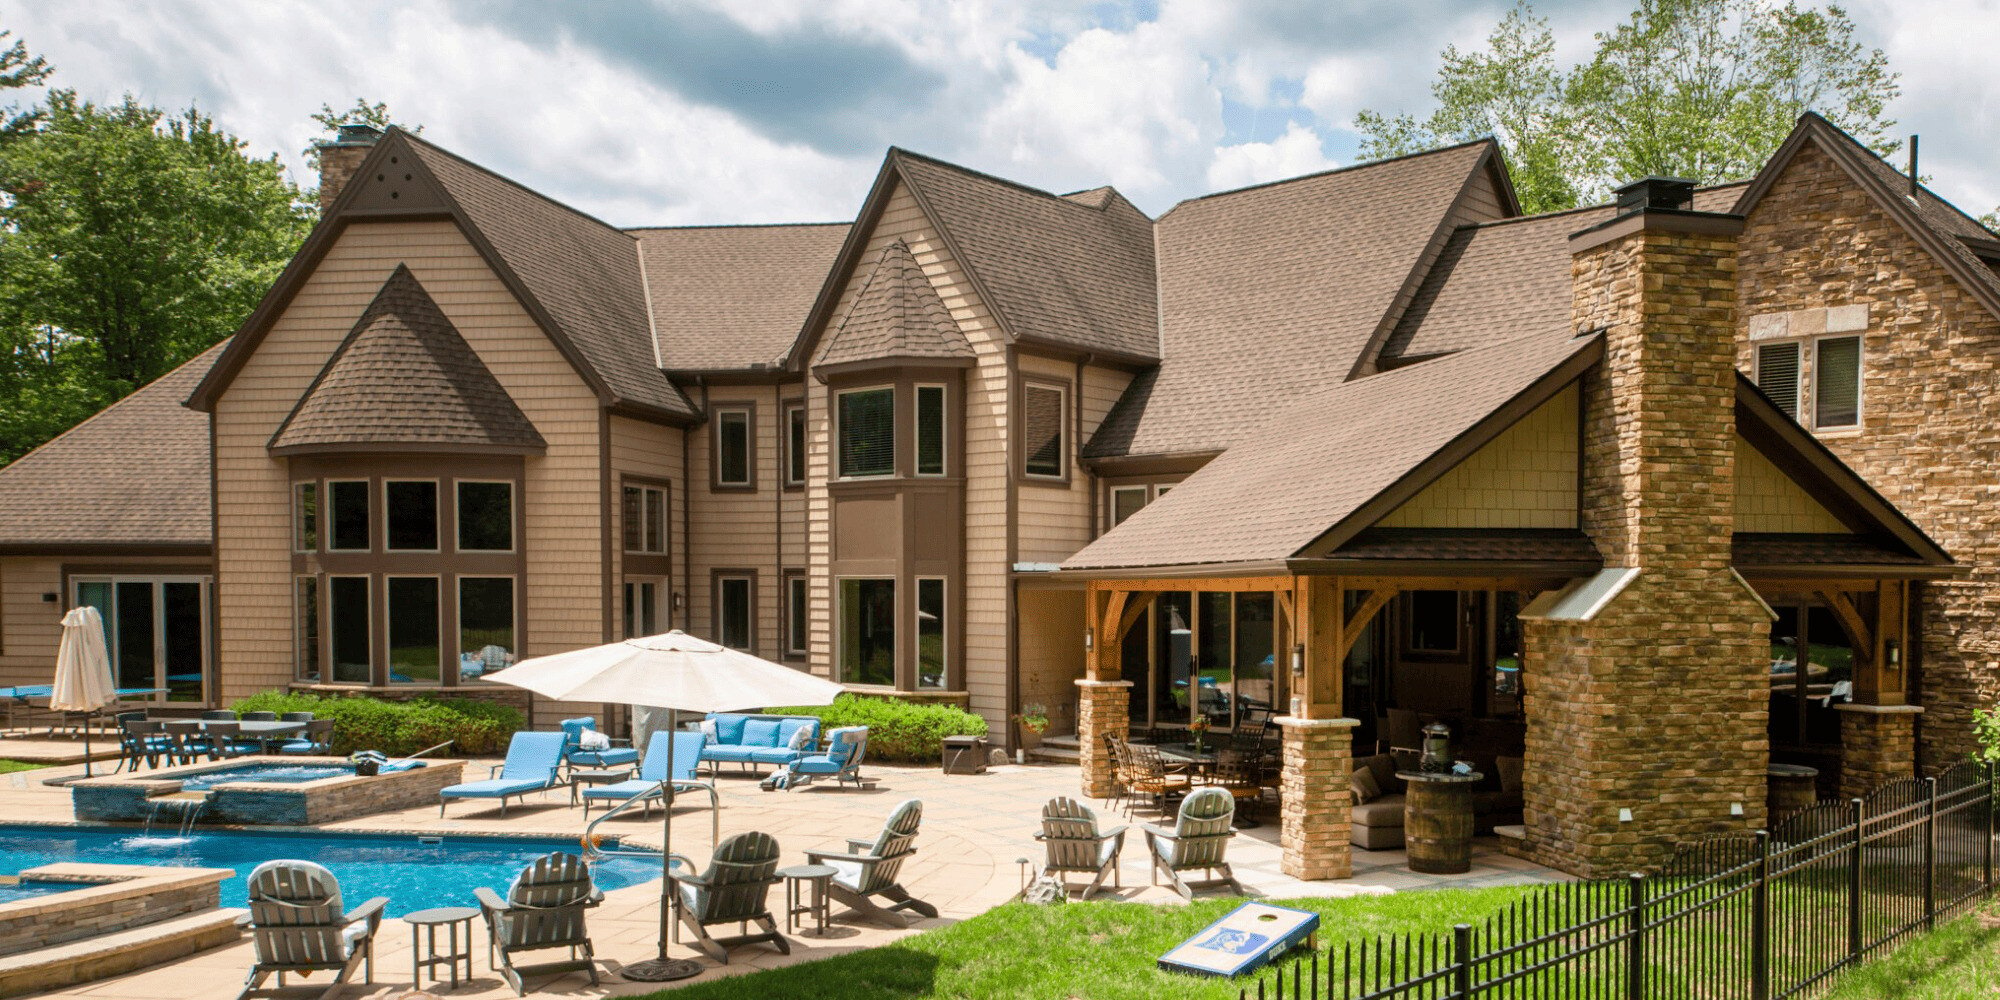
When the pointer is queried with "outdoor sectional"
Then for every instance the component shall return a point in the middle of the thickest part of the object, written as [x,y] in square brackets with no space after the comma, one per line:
[757,739]
[1377,824]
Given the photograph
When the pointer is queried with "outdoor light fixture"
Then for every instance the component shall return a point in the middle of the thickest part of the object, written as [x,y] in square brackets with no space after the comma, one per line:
[1299,660]
[1089,639]
[1895,652]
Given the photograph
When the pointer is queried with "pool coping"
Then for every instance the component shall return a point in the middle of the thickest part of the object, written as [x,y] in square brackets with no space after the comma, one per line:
[105,882]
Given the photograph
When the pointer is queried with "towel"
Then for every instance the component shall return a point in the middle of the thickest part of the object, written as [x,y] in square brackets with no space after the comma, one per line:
[591,739]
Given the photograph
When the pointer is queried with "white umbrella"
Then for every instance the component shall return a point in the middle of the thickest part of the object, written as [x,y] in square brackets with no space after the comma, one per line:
[677,672]
[83,671]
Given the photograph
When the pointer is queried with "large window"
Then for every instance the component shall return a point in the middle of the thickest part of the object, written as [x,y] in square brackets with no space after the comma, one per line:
[868,631]
[931,428]
[1044,429]
[485,624]
[349,621]
[305,517]
[735,610]
[1432,622]
[733,461]
[931,641]
[413,629]
[795,444]
[867,428]
[349,515]
[305,608]
[796,610]
[645,510]
[642,608]
[412,506]
[1815,380]
[485,517]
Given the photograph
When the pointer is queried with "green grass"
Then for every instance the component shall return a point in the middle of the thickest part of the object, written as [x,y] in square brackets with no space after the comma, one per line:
[1089,951]
[1959,960]
[10,766]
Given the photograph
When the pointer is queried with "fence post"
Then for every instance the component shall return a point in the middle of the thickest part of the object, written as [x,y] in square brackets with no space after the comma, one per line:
[1760,920]
[1461,960]
[1855,944]
[1986,842]
[1930,855]
[1635,936]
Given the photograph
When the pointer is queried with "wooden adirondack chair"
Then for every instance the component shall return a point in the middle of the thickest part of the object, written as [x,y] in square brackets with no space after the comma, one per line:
[297,925]
[868,868]
[733,890]
[1198,842]
[1075,844]
[544,909]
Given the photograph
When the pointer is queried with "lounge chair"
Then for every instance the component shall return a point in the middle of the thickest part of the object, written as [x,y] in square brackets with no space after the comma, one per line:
[575,756]
[297,925]
[687,757]
[841,761]
[1076,844]
[732,891]
[868,869]
[1198,842]
[531,765]
[544,909]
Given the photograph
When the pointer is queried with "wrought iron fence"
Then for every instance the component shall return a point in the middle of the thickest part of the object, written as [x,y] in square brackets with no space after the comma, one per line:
[1756,916]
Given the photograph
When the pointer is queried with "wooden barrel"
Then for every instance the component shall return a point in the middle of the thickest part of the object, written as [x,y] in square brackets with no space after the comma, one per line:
[1791,788]
[1437,821]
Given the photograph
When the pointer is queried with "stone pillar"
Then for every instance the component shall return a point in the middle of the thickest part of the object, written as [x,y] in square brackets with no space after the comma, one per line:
[1315,799]
[1102,708]
[1878,744]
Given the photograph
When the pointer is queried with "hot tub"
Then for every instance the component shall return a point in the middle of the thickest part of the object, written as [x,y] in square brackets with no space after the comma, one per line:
[302,791]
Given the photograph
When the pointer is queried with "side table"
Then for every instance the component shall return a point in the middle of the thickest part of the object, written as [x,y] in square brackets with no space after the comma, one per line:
[817,876]
[595,776]
[424,953]
[1437,821]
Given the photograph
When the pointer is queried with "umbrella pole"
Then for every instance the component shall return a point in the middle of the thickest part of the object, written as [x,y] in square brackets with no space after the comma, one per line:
[88,716]
[664,969]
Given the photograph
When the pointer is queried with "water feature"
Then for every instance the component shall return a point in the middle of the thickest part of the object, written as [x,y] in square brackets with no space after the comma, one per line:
[187,804]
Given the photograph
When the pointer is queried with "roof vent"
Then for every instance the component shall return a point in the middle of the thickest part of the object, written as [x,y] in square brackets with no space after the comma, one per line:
[1647,193]
[356,134]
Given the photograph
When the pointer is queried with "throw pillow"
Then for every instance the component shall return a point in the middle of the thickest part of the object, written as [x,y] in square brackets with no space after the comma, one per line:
[708,731]
[1362,783]
[802,738]
[1510,773]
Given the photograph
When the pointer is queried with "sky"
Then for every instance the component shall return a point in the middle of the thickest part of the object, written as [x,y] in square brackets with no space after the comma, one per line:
[780,110]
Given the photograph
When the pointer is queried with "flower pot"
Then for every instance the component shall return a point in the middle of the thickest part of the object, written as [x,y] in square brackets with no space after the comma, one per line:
[1030,739]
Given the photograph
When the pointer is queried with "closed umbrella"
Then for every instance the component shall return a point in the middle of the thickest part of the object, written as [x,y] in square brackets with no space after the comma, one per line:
[83,671]
[677,672]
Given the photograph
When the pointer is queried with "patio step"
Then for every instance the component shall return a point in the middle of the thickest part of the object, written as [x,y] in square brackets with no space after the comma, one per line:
[96,958]
[1049,754]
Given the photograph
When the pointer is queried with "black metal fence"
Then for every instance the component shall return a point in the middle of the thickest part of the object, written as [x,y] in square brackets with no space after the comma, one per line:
[1757,916]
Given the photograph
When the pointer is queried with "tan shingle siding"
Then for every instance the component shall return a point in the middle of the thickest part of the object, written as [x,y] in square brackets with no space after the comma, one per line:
[737,529]
[1767,500]
[1525,478]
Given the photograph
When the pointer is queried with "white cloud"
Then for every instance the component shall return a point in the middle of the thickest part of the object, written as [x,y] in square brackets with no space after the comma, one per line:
[1296,152]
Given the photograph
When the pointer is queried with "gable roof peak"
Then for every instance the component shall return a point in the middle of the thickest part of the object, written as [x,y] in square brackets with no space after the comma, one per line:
[1487,141]
[897,314]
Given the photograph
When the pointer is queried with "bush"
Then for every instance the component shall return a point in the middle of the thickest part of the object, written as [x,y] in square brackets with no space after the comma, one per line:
[897,730]
[399,728]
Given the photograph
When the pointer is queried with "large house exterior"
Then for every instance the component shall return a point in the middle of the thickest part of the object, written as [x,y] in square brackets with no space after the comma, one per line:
[1326,454]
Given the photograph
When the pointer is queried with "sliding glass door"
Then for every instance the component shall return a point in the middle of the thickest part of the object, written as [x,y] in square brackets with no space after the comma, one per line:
[156,630]
[1209,654]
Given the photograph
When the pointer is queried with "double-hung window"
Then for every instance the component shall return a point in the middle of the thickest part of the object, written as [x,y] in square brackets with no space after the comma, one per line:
[796,610]
[734,461]
[795,444]
[1044,431]
[735,610]
[867,430]
[645,515]
[1816,380]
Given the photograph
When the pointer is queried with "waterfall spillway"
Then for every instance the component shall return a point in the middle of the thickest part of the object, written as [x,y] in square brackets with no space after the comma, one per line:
[186,805]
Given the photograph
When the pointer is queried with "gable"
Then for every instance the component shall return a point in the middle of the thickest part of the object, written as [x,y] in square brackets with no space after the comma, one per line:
[1769,501]
[1525,478]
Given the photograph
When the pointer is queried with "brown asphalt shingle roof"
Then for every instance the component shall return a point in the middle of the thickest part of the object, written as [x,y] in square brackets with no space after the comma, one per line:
[731,297]
[1748,549]
[1471,545]
[1318,460]
[405,377]
[136,473]
[897,314]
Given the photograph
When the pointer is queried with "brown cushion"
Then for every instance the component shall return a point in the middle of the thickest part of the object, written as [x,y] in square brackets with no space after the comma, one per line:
[1362,783]
[1510,773]
[1385,811]
[1383,767]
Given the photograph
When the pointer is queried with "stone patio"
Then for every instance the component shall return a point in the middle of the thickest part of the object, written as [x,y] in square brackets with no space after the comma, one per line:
[975,827]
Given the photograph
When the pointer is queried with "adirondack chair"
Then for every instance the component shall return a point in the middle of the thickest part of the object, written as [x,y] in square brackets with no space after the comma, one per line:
[531,766]
[1198,842]
[1075,844]
[544,909]
[297,925]
[868,869]
[740,874]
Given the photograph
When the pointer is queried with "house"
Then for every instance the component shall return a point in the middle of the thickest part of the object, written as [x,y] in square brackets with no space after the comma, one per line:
[1648,495]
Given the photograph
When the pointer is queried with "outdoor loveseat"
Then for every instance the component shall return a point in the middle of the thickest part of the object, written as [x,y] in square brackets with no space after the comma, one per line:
[747,739]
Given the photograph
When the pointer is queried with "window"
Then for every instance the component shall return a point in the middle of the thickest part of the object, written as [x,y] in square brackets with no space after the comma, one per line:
[1433,621]
[732,448]
[1837,382]
[155,631]
[1817,381]
[485,517]
[413,629]
[1778,375]
[645,509]
[1044,419]
[930,430]
[1125,502]
[868,432]
[795,444]
[349,515]
[642,608]
[796,610]
[868,631]
[485,625]
[305,601]
[349,621]
[305,517]
[413,514]
[930,633]
[735,614]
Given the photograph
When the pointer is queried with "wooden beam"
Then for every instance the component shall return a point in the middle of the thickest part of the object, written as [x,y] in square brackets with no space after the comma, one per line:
[1859,636]
[1135,608]
[1371,605]
[1226,584]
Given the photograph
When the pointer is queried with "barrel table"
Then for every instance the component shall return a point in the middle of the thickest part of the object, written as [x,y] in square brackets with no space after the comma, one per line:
[1792,787]
[1437,821]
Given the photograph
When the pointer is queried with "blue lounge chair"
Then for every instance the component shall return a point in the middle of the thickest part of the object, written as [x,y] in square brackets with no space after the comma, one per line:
[687,757]
[575,756]
[841,761]
[531,765]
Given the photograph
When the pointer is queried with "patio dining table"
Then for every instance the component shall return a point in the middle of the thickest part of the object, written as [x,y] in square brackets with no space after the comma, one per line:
[1184,754]
[262,731]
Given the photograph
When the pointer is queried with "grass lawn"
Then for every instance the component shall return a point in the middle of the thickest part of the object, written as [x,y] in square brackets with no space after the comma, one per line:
[1089,951]
[10,766]
[1958,960]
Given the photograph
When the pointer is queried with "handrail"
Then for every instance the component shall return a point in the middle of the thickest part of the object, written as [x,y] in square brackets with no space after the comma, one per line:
[591,846]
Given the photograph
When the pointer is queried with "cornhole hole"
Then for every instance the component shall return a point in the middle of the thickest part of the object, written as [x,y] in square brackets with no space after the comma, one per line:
[1243,940]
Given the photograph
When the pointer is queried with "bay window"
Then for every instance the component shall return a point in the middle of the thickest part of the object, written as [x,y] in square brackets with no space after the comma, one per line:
[413,629]
[485,516]
[931,426]
[867,432]
[867,622]
[411,508]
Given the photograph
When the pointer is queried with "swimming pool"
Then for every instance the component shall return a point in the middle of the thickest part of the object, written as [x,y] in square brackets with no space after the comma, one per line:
[11,892]
[276,774]
[415,873]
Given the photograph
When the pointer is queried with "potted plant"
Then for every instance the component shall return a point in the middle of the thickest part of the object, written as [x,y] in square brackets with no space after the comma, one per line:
[1034,721]
[1198,728]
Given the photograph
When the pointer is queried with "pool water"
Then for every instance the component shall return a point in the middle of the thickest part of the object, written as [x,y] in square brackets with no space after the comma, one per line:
[414,873]
[283,774]
[28,889]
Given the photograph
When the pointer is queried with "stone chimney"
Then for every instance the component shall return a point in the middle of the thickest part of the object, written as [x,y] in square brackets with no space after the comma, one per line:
[339,159]
[1647,713]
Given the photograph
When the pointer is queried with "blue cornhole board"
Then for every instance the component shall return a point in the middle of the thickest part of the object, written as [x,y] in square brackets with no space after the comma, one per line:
[1244,939]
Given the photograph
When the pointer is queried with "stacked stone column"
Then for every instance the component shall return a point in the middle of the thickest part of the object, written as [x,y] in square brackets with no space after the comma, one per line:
[1315,798]
[1102,709]
[1878,744]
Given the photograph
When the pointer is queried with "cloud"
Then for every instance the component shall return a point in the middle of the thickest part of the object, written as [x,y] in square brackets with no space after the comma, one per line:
[1296,152]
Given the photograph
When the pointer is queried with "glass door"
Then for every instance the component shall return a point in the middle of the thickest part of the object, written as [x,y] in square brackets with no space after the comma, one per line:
[155,630]
[1210,653]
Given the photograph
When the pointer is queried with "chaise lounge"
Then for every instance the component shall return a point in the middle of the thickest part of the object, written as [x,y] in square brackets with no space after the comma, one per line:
[776,740]
[533,760]
[687,757]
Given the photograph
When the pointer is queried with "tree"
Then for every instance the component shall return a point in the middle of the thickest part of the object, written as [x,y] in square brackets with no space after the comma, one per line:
[1705,89]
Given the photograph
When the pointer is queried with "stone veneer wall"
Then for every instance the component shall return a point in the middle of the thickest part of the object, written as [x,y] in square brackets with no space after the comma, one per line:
[142,895]
[1930,436]
[1877,747]
[1659,704]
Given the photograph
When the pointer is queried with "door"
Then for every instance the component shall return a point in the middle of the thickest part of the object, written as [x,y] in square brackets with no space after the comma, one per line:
[155,630]
[643,610]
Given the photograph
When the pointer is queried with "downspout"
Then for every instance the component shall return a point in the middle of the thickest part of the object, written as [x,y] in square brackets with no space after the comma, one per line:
[687,512]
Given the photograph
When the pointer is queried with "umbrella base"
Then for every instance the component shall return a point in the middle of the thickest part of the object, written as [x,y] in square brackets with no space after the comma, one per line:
[661,970]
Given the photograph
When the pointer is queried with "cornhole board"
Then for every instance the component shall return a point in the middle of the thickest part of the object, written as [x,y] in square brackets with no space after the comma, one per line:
[1243,940]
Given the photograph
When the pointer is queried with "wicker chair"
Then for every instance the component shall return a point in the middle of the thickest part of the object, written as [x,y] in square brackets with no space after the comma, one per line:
[1198,841]
[1150,776]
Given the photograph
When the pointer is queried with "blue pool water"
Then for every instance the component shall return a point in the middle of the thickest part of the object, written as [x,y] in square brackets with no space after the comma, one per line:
[15,891]
[283,774]
[414,874]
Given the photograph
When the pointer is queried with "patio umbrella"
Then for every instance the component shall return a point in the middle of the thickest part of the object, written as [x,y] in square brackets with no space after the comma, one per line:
[83,671]
[677,672]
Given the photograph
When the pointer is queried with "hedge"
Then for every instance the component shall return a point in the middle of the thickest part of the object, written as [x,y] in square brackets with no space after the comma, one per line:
[897,730]
[398,728]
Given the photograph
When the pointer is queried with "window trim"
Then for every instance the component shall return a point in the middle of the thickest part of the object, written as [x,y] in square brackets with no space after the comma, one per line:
[716,579]
[513,517]
[367,489]
[716,412]
[1807,374]
[327,674]
[1063,417]
[944,633]
[298,515]
[458,618]
[791,616]
[437,512]
[384,677]
[839,474]
[839,669]
[795,453]
[917,430]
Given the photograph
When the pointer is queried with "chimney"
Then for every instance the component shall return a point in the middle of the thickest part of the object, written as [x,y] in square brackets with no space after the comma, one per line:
[339,159]
[1671,193]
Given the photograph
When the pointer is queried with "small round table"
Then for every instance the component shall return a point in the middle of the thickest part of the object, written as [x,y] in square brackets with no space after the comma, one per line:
[424,952]
[1437,821]
[818,877]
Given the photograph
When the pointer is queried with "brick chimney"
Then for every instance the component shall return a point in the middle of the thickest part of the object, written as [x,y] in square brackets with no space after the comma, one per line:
[1647,714]
[339,159]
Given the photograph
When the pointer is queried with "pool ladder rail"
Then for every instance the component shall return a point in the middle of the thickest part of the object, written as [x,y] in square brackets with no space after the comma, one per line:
[593,843]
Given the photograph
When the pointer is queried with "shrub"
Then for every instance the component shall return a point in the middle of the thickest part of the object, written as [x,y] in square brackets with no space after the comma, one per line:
[897,730]
[399,728]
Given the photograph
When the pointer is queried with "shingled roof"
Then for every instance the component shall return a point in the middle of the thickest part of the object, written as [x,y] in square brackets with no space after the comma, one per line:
[897,314]
[134,475]
[405,379]
[731,297]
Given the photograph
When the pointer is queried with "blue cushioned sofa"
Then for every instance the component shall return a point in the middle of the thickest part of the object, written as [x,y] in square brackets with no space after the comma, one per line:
[757,739]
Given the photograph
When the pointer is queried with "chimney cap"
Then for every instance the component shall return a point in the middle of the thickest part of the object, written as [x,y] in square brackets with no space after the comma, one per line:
[1655,192]
[355,134]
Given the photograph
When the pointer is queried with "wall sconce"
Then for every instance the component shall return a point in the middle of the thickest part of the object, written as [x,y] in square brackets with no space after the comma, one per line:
[1089,639]
[1894,651]
[1299,660]
[677,601]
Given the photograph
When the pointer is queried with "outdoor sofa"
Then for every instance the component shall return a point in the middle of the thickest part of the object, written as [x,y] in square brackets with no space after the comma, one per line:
[749,739]
[1376,821]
